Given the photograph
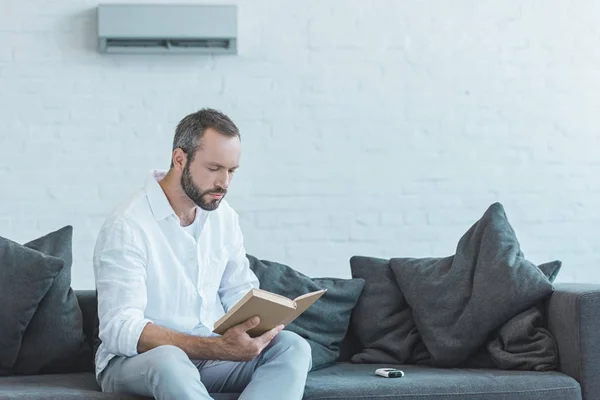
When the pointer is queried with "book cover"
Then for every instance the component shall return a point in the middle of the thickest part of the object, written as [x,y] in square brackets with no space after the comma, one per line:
[273,309]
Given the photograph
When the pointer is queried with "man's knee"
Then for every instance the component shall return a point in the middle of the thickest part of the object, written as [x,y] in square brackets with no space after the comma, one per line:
[170,363]
[292,340]
[167,354]
[297,346]
[167,350]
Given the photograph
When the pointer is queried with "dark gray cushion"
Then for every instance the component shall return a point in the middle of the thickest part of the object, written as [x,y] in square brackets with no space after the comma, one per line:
[523,342]
[383,326]
[25,277]
[325,323]
[54,338]
[381,320]
[457,301]
[55,386]
[358,381]
[67,387]
[551,269]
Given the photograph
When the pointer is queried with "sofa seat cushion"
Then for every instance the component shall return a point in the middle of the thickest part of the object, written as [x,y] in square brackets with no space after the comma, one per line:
[358,381]
[65,387]
[343,381]
[54,386]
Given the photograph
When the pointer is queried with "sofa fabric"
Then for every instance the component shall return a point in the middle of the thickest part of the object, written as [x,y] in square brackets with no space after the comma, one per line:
[343,381]
[572,311]
[58,318]
[88,303]
[382,320]
[523,342]
[73,386]
[325,324]
[358,381]
[574,320]
[55,387]
[457,301]
[25,277]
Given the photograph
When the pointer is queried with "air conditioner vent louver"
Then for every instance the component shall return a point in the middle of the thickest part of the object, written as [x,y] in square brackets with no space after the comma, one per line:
[207,43]
[114,45]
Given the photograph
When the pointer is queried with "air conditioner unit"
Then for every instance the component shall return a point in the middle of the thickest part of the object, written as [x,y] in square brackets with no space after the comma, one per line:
[167,28]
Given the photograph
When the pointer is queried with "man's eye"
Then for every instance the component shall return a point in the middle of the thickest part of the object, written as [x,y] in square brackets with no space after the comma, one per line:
[213,169]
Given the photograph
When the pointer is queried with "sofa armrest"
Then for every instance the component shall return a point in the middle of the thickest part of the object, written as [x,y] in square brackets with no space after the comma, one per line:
[574,320]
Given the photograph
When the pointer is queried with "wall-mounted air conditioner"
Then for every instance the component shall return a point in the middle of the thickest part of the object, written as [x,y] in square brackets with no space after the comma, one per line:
[167,28]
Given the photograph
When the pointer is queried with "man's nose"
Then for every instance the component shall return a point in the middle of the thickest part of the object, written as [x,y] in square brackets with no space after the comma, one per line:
[224,180]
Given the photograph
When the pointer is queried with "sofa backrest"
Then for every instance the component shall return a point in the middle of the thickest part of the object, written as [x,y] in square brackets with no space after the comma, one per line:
[89,308]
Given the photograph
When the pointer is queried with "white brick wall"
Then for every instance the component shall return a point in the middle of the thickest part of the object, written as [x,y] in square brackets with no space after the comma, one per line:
[379,128]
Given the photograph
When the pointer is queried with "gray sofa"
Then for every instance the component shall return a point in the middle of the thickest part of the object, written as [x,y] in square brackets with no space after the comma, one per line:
[573,317]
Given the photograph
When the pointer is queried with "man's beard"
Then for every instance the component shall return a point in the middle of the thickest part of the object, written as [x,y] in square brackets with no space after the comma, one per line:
[197,195]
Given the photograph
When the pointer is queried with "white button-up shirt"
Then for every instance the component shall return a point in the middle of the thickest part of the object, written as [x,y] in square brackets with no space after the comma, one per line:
[150,269]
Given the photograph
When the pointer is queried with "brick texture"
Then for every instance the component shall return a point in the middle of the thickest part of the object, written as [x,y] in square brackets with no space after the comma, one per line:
[381,128]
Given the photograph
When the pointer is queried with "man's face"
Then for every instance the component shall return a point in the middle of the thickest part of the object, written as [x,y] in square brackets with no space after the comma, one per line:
[206,179]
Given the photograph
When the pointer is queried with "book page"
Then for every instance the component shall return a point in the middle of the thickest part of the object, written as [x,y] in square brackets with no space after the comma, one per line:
[318,293]
[274,297]
[302,304]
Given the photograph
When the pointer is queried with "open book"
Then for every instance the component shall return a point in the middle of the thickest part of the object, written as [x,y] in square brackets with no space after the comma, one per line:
[273,309]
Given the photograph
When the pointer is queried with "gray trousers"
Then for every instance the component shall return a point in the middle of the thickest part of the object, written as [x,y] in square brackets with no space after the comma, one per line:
[166,372]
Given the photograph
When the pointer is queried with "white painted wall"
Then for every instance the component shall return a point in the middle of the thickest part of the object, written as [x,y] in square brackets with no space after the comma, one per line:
[381,128]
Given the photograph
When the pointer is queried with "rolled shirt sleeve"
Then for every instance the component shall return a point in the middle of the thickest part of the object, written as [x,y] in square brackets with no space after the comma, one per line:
[120,272]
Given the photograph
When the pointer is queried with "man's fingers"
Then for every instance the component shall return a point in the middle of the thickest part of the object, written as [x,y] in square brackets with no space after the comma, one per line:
[270,334]
[250,323]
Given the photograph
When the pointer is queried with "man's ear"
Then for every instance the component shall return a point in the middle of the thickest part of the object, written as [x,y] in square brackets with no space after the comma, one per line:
[179,159]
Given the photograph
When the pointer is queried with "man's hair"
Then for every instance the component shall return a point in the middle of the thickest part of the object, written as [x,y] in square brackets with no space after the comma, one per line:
[191,128]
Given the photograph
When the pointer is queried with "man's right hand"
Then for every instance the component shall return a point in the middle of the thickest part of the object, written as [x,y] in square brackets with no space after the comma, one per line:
[237,345]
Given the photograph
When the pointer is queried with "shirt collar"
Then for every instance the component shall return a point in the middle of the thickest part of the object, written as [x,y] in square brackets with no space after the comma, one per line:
[159,204]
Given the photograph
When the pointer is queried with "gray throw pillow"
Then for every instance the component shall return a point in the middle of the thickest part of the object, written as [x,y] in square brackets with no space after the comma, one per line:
[551,269]
[25,277]
[382,320]
[458,301]
[54,338]
[524,342]
[325,324]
